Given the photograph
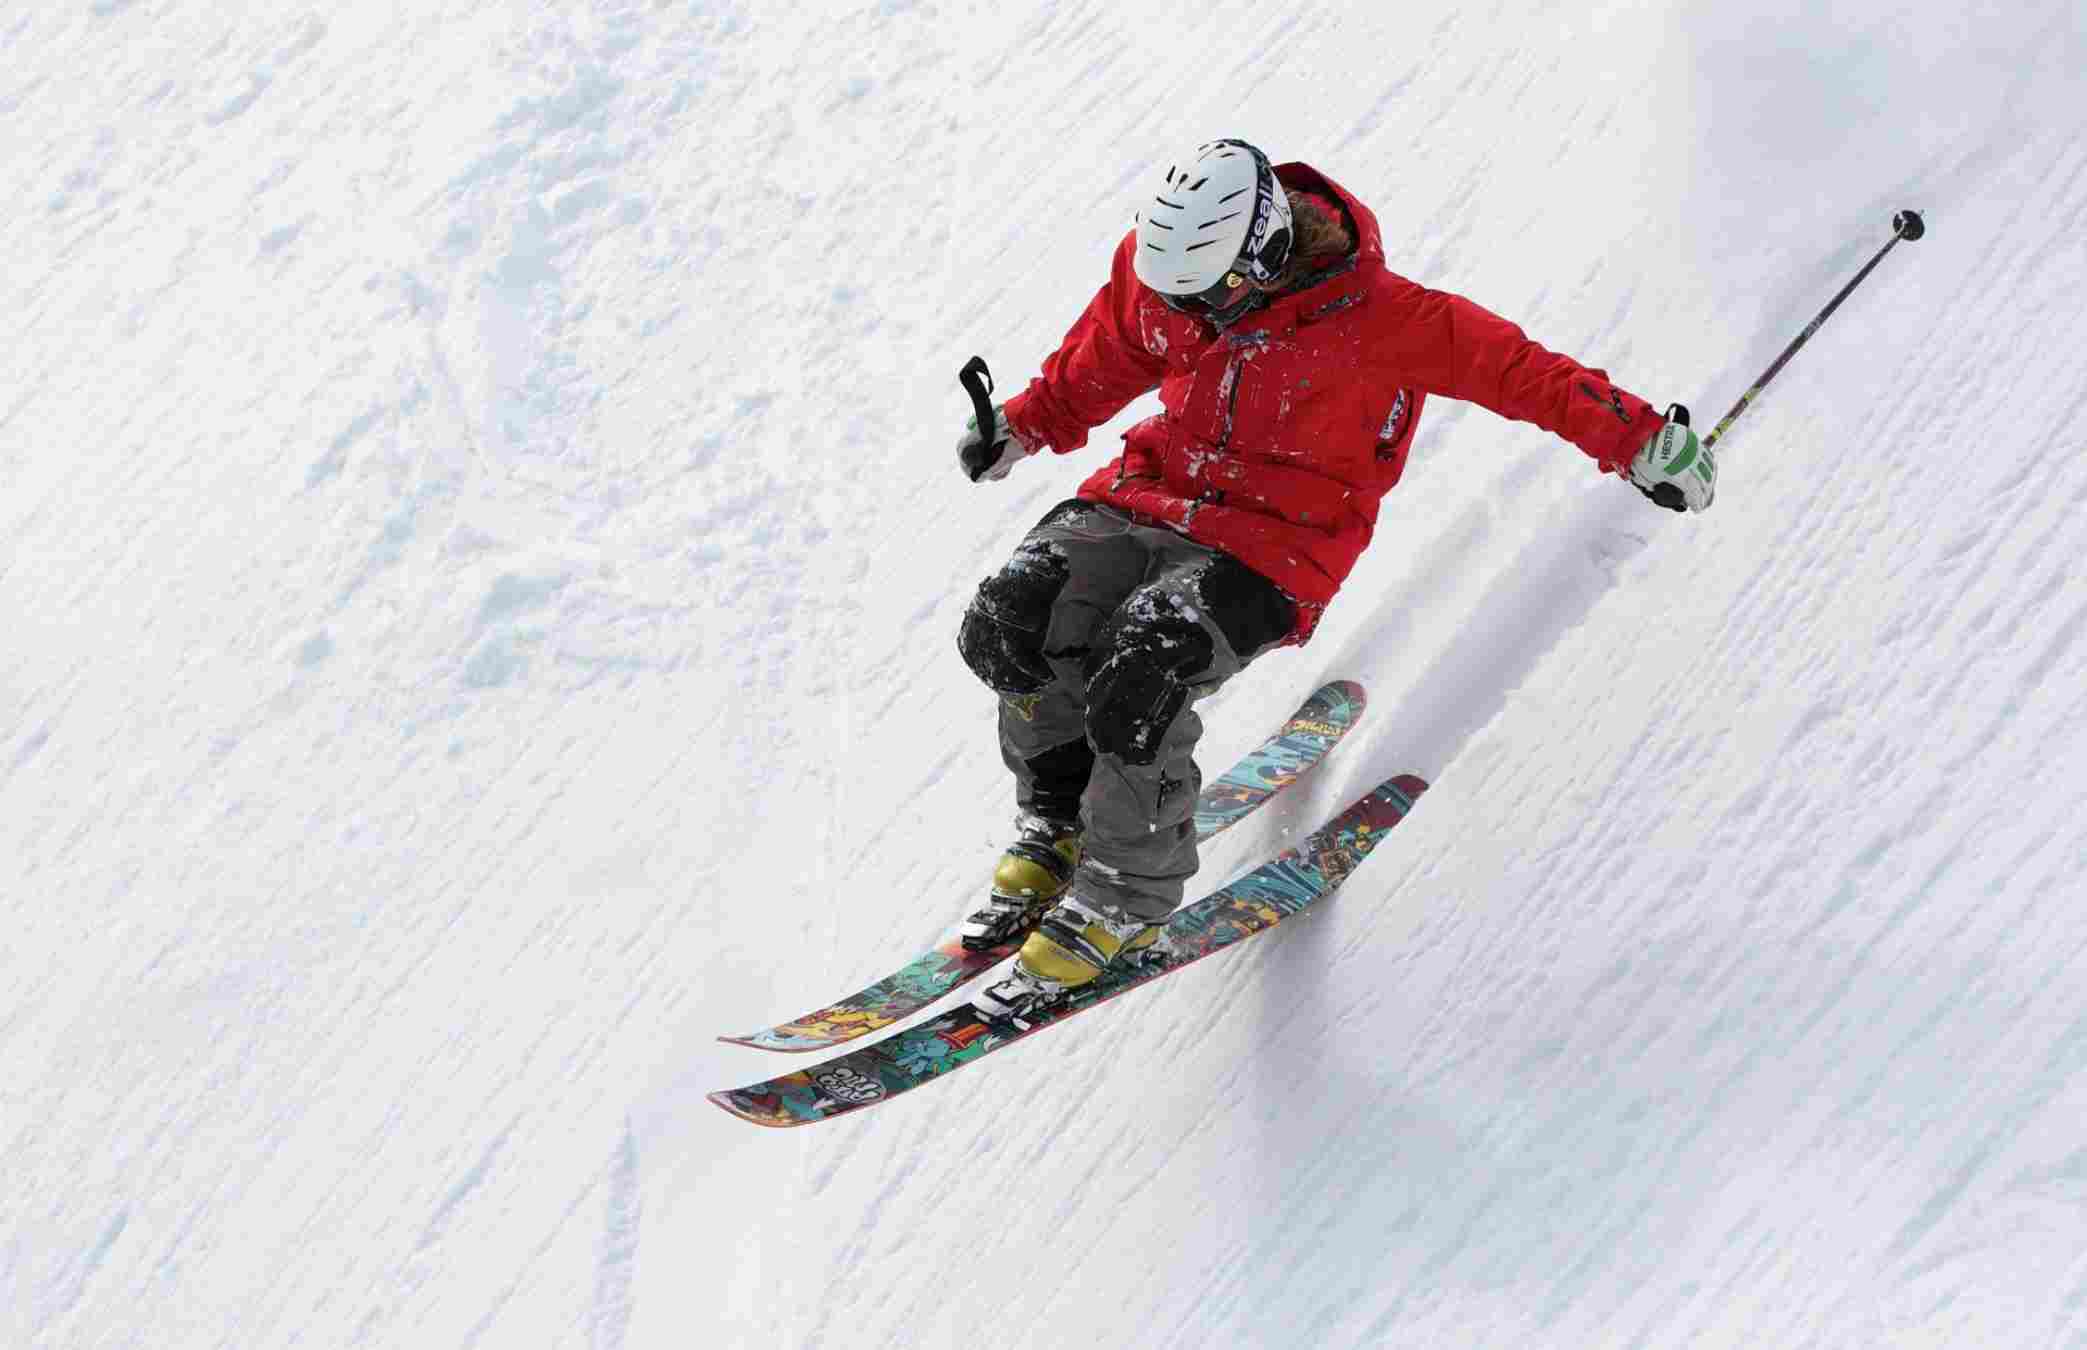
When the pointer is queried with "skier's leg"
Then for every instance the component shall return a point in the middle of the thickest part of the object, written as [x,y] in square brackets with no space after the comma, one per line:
[1180,635]
[1026,635]
[1175,639]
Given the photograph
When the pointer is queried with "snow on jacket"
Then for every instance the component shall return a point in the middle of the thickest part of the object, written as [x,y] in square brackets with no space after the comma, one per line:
[1280,435]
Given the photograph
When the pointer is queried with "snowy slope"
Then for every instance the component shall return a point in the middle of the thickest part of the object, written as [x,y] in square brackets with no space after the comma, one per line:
[481,552]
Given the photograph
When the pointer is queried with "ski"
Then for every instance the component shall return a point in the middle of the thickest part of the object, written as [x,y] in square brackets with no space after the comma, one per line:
[1302,741]
[1256,902]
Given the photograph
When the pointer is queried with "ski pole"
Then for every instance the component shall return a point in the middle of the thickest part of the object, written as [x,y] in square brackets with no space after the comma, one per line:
[1904,225]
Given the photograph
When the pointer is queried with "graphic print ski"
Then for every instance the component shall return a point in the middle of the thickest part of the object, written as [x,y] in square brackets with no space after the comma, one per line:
[1315,728]
[1253,904]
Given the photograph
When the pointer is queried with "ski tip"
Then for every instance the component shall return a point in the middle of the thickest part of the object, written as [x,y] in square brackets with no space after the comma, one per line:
[1349,690]
[723,1101]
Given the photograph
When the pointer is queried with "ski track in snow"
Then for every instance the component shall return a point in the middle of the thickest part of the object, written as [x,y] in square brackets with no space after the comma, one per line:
[484,561]
[616,1266]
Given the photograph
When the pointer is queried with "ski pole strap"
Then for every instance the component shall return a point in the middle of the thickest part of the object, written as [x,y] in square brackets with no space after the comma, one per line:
[978,382]
[1904,225]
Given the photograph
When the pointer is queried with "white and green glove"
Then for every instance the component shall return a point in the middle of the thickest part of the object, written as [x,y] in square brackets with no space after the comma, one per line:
[1674,469]
[988,458]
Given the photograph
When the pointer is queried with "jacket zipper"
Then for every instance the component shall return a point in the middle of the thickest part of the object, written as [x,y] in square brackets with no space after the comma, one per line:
[1237,371]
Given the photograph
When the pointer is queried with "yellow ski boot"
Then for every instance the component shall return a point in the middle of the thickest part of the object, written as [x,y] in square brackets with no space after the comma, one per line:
[1034,872]
[1069,949]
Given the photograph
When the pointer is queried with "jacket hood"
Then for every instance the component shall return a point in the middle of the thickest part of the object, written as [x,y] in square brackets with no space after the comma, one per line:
[1347,281]
[1369,236]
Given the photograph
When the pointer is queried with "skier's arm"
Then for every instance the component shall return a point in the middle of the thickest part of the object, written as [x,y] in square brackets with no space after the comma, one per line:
[1451,346]
[1097,370]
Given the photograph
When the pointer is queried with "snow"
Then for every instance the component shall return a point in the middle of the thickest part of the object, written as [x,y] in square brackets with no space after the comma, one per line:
[481,547]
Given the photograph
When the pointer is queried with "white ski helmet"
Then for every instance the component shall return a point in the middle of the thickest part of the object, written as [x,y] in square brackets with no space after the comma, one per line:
[1217,219]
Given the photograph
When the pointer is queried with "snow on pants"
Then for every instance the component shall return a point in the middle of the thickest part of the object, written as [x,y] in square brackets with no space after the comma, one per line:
[1099,635]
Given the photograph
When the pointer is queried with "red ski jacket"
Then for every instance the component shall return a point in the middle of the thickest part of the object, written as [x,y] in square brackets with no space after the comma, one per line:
[1280,435]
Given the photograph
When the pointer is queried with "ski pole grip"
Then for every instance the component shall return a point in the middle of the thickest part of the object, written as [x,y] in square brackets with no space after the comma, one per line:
[979,456]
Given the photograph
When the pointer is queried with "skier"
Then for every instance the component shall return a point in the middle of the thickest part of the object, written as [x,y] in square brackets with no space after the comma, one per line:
[1292,367]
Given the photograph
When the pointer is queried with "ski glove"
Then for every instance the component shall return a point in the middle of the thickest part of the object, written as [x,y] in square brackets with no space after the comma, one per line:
[1674,469]
[990,457]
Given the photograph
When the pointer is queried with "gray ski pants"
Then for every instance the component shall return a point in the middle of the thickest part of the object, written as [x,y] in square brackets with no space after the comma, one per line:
[1099,635]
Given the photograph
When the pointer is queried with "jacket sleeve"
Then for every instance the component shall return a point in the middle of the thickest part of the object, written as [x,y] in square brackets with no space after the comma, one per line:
[1448,345]
[1097,370]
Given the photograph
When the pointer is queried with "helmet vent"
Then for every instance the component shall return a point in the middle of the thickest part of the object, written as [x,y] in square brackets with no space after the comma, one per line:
[1164,202]
[1205,244]
[1219,221]
[1197,186]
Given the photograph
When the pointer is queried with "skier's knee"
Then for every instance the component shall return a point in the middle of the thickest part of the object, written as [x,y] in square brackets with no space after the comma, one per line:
[1244,606]
[1002,635]
[1138,674]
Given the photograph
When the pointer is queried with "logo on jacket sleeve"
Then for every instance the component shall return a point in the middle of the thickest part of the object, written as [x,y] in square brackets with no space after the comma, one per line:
[1388,434]
[1614,402]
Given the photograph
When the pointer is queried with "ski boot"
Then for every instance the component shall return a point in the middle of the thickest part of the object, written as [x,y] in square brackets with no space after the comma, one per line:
[1071,947]
[1036,869]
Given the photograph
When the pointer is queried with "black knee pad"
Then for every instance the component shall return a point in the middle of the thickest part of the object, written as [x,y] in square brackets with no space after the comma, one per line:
[1137,676]
[1246,606]
[1002,635]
